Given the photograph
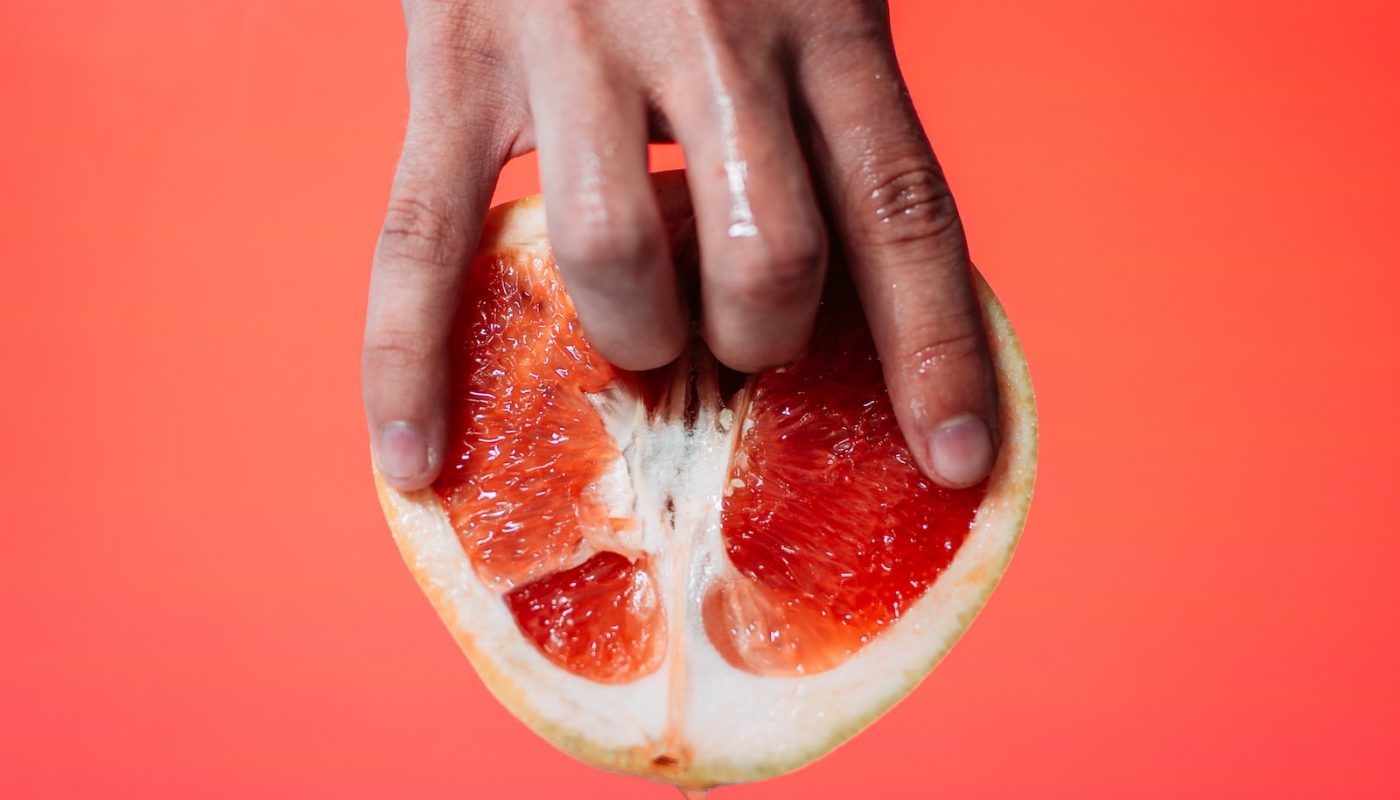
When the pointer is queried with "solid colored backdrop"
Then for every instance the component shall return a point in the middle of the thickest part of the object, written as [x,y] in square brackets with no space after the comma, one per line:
[1189,208]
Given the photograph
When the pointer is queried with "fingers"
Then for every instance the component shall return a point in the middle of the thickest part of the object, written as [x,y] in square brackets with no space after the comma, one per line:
[908,257]
[762,243]
[439,198]
[608,236]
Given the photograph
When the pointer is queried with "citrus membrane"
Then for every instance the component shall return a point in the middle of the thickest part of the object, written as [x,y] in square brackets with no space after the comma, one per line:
[628,556]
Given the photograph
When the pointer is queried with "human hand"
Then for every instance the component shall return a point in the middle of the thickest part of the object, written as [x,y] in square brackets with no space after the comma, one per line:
[775,104]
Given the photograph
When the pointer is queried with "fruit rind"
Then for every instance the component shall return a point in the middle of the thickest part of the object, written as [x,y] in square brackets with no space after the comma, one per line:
[433,554]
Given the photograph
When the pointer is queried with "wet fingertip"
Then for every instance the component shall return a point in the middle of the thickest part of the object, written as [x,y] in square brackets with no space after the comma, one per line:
[961,451]
[745,354]
[404,456]
[638,352]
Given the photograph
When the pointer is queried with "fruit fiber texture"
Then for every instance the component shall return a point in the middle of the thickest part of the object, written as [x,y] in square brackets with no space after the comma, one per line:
[629,558]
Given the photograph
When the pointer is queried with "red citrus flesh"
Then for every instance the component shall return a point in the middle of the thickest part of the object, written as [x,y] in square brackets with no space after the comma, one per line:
[830,524]
[527,448]
[601,618]
[829,527]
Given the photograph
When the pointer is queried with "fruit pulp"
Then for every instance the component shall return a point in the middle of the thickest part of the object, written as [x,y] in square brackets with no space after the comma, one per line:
[829,532]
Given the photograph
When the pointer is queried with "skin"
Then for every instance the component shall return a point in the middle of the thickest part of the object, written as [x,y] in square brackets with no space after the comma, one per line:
[799,136]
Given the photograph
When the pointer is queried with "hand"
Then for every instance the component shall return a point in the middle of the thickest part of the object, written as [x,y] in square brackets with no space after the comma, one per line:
[775,104]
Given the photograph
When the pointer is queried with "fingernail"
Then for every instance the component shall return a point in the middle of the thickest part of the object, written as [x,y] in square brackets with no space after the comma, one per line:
[961,451]
[403,452]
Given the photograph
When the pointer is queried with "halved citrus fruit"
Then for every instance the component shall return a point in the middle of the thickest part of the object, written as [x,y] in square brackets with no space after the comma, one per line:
[686,574]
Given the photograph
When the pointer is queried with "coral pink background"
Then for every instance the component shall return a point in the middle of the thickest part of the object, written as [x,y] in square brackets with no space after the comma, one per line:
[1189,207]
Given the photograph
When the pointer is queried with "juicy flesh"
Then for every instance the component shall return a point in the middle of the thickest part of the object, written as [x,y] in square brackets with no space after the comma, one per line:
[518,483]
[602,617]
[828,521]
[829,530]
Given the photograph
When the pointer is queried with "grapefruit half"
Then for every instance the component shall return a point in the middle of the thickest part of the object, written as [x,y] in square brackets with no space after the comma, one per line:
[688,574]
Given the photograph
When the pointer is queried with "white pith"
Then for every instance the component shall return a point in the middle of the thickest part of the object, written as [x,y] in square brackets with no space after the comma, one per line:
[697,719]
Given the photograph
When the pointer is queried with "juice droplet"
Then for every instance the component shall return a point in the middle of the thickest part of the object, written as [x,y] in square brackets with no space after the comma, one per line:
[693,794]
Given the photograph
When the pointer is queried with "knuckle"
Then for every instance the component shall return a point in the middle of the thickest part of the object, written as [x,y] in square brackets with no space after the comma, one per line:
[607,249]
[457,37]
[783,272]
[457,61]
[911,204]
[422,232]
[796,263]
[397,351]
[953,338]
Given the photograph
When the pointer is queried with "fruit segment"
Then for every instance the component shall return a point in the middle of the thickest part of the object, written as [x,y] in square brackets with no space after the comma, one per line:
[691,574]
[602,619]
[831,528]
[521,482]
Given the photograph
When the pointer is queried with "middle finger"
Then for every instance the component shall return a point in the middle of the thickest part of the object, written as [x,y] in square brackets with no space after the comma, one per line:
[762,244]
